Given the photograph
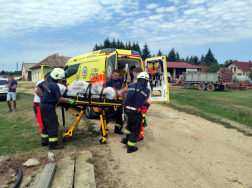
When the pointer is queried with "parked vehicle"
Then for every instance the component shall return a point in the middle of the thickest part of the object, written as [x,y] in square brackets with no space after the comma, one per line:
[209,81]
[3,89]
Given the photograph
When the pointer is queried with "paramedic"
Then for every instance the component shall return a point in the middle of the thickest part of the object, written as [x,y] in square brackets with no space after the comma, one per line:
[136,95]
[51,94]
[145,107]
[116,82]
[37,102]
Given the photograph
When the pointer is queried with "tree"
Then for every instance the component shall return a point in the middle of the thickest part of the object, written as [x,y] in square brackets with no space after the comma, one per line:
[159,53]
[177,57]
[126,46]
[187,59]
[202,59]
[214,67]
[129,46]
[182,60]
[209,58]
[250,75]
[226,63]
[138,48]
[146,53]
[195,60]
[133,46]
[113,44]
[171,56]
[191,60]
[96,47]
[122,45]
[118,44]
[2,72]
[107,43]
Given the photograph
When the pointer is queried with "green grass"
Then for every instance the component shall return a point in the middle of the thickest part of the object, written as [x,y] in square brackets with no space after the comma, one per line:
[230,104]
[20,131]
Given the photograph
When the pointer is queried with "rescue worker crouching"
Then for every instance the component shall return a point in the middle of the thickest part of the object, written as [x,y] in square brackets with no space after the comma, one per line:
[136,95]
[50,95]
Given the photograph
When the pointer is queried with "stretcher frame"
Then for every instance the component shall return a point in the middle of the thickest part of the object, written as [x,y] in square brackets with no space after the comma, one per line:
[102,103]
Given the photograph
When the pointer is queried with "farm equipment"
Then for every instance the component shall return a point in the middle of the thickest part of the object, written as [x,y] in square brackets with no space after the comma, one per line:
[209,81]
[240,86]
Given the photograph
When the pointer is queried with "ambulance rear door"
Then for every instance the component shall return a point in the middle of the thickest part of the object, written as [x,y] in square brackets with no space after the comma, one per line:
[111,63]
[45,69]
[156,67]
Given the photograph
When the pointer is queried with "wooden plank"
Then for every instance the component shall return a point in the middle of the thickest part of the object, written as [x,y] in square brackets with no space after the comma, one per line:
[46,178]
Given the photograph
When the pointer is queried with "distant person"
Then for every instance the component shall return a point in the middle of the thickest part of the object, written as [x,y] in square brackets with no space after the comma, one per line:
[37,102]
[116,82]
[12,85]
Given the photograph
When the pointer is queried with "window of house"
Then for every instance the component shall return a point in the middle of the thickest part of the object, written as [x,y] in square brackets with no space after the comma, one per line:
[239,68]
[234,69]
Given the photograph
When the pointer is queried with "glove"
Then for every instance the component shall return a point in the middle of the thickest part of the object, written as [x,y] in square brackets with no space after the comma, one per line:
[144,123]
[71,101]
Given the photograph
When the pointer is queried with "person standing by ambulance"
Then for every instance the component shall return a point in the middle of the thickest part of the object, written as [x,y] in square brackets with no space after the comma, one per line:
[145,107]
[12,85]
[37,102]
[51,94]
[116,82]
[136,95]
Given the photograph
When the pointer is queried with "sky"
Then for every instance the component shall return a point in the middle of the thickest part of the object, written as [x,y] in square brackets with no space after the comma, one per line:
[31,30]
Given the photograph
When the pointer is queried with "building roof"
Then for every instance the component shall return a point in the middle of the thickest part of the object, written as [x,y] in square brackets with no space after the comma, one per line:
[245,66]
[181,65]
[53,60]
[27,66]
[203,67]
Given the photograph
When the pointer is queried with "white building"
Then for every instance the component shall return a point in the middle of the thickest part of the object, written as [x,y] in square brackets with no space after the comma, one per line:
[54,60]
[26,71]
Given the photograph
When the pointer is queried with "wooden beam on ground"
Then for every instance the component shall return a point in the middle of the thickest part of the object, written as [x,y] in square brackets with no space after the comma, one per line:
[46,178]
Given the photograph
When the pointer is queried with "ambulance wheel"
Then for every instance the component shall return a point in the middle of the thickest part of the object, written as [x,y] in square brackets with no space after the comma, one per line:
[89,112]
[102,142]
[64,139]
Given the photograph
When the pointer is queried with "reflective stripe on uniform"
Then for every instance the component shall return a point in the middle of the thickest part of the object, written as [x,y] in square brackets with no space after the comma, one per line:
[131,143]
[142,132]
[53,139]
[127,131]
[117,125]
[44,135]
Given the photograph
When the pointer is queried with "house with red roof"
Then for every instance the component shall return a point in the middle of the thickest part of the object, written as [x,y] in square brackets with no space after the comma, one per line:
[240,68]
[203,68]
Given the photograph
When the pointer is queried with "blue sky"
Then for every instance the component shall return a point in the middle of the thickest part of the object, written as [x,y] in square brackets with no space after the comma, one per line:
[31,30]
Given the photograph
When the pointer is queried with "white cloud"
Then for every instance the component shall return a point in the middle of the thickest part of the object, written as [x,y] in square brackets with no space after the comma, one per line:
[152,6]
[196,2]
[156,17]
[166,9]
[174,1]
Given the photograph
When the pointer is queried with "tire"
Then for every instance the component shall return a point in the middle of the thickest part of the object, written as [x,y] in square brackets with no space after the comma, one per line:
[221,88]
[89,112]
[202,87]
[210,87]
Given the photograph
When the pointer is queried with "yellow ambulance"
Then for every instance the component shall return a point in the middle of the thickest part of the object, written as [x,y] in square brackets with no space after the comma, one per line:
[97,66]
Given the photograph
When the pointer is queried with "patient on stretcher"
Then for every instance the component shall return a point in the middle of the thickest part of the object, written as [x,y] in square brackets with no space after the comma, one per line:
[81,87]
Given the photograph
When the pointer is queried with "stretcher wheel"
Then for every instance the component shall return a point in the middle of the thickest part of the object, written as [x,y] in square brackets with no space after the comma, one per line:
[103,141]
[64,139]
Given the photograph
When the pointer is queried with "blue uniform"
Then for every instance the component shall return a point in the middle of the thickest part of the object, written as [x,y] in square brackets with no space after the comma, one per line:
[12,84]
[115,83]
[139,98]
[51,93]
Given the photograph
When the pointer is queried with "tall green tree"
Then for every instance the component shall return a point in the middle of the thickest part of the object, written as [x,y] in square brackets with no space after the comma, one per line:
[214,67]
[133,46]
[177,57]
[159,53]
[138,49]
[126,46]
[146,53]
[118,44]
[226,63]
[202,60]
[129,46]
[187,59]
[122,46]
[209,58]
[195,60]
[172,56]
[107,43]
[113,44]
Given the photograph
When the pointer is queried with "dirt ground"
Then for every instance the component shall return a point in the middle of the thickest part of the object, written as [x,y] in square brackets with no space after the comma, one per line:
[182,150]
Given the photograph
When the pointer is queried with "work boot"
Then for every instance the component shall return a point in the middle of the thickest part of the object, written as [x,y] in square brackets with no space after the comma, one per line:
[44,142]
[118,130]
[131,149]
[140,139]
[125,138]
[10,110]
[55,146]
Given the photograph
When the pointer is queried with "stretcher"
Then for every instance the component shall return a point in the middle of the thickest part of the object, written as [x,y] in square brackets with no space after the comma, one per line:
[84,100]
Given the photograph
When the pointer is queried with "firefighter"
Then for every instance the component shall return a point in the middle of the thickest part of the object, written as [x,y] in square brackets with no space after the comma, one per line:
[37,102]
[50,95]
[145,107]
[116,82]
[136,95]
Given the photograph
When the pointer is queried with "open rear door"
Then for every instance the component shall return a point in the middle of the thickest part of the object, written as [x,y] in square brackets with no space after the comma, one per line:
[156,67]
[45,69]
[111,63]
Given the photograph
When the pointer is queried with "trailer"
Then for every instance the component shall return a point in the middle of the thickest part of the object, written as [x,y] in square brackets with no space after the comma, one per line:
[209,81]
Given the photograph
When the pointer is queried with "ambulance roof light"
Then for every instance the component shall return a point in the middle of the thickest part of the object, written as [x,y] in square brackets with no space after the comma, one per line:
[107,50]
[135,52]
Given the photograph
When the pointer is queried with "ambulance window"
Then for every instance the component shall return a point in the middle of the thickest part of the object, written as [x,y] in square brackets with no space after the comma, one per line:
[71,70]
[112,62]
